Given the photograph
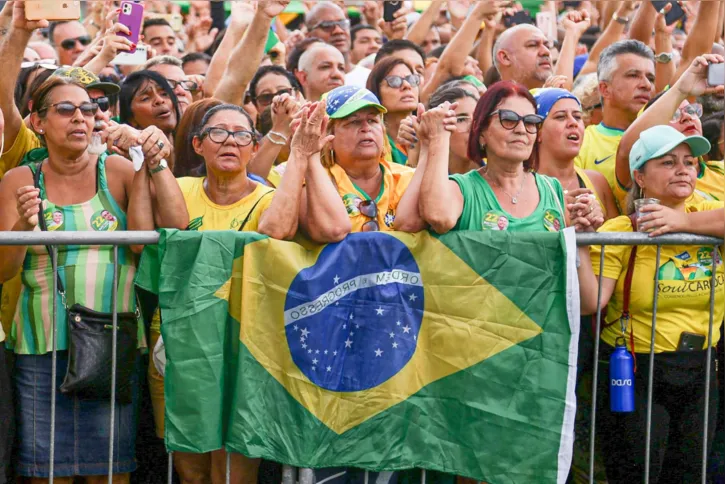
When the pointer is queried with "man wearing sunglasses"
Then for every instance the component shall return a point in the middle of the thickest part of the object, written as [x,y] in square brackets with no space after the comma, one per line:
[70,39]
[170,68]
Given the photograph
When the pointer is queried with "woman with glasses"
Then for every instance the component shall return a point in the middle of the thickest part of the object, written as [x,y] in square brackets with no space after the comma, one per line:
[559,141]
[672,105]
[184,88]
[505,194]
[465,101]
[71,189]
[226,199]
[396,84]
[354,188]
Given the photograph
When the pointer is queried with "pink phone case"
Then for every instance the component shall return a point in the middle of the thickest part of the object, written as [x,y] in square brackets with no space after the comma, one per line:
[132,17]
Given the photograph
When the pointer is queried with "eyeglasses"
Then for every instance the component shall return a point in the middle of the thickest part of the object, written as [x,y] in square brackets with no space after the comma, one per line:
[592,108]
[104,104]
[266,99]
[396,81]
[463,123]
[67,109]
[370,209]
[69,44]
[190,86]
[692,110]
[45,64]
[329,25]
[221,135]
[509,120]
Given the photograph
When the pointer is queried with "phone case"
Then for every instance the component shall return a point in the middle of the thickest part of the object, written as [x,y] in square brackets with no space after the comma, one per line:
[52,10]
[390,8]
[716,74]
[132,17]
[691,342]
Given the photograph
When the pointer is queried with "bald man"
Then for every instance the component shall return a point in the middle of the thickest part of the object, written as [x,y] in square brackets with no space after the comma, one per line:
[522,54]
[321,69]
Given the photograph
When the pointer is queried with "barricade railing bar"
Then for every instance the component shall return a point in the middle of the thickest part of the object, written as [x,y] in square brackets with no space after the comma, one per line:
[291,475]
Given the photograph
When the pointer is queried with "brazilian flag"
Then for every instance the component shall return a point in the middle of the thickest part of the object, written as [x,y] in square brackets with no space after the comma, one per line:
[386,351]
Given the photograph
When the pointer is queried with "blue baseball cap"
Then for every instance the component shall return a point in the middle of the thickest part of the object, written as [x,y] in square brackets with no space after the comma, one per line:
[579,62]
[547,97]
[660,140]
[346,100]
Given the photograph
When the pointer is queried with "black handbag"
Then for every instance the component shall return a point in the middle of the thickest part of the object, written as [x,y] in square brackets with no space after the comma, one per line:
[90,349]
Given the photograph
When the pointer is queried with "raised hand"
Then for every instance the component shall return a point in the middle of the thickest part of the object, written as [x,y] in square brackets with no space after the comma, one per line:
[408,131]
[120,138]
[272,8]
[284,109]
[28,205]
[21,23]
[661,23]
[398,27]
[438,122]
[372,11]
[556,81]
[310,130]
[154,145]
[577,22]
[458,8]
[694,81]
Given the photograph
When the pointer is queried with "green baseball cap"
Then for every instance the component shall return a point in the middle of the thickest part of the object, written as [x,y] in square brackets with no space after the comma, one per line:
[660,140]
[87,78]
[346,100]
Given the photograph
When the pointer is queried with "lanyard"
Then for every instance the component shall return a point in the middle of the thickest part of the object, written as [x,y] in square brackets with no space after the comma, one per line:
[365,195]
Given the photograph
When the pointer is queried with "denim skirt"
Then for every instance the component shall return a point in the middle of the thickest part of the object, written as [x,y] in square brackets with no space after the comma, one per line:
[82,427]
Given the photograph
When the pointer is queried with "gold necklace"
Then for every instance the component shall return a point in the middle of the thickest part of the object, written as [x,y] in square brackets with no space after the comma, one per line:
[514,198]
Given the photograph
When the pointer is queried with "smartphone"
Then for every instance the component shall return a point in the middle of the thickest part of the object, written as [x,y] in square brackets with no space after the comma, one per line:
[675,13]
[716,74]
[390,8]
[691,342]
[52,10]
[546,22]
[132,17]
[520,17]
[136,58]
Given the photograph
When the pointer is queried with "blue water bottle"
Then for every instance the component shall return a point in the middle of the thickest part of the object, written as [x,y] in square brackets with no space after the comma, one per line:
[621,378]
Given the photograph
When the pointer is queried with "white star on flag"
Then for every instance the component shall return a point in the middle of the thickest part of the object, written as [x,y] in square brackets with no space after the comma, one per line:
[317,352]
[395,345]
[344,326]
[304,346]
[302,339]
[334,353]
[336,279]
[314,361]
[325,351]
[314,368]
[348,343]
[357,326]
[406,329]
[305,332]
[413,297]
[380,311]
[350,315]
[329,368]
[309,351]
[378,352]
[392,335]
[352,334]
[296,327]
[398,323]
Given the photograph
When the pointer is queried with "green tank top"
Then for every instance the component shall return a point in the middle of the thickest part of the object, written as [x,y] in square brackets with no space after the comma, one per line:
[86,271]
[481,210]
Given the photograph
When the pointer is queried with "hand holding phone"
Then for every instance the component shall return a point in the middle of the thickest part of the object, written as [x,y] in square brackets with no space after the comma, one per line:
[520,17]
[389,9]
[132,17]
[716,75]
[675,13]
[52,10]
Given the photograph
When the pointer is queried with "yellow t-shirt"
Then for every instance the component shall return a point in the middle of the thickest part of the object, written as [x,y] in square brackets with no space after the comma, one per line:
[207,215]
[396,179]
[599,152]
[26,141]
[684,288]
[276,173]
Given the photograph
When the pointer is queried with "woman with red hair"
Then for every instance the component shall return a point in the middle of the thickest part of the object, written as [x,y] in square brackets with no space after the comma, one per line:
[504,194]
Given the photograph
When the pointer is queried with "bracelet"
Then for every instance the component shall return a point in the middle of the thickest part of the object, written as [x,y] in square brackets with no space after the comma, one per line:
[280,135]
[620,20]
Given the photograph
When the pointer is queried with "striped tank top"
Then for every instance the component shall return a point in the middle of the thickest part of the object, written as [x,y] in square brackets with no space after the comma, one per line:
[86,271]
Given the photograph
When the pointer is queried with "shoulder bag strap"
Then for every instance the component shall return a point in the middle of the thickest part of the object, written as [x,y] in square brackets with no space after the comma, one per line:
[556,198]
[44,228]
[249,215]
[628,291]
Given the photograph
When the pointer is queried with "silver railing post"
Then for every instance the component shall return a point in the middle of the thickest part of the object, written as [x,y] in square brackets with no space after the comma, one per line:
[708,369]
[114,349]
[170,469]
[650,372]
[229,466]
[595,379]
[54,365]
[289,474]
[307,476]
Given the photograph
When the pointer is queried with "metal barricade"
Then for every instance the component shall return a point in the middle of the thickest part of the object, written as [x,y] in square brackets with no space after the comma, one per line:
[291,475]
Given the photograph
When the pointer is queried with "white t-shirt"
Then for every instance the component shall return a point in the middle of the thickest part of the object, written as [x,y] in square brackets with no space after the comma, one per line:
[357,77]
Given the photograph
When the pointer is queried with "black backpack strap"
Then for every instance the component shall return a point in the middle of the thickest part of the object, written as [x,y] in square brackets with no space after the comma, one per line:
[249,215]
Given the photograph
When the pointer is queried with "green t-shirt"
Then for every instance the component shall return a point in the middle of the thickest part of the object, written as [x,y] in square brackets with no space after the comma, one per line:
[481,210]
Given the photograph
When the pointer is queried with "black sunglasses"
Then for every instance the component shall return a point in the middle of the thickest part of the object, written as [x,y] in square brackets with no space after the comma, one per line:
[104,104]
[370,209]
[221,135]
[190,86]
[509,120]
[329,25]
[266,99]
[396,81]
[67,109]
[69,44]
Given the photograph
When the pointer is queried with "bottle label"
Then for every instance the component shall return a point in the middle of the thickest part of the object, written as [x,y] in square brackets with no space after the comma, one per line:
[621,383]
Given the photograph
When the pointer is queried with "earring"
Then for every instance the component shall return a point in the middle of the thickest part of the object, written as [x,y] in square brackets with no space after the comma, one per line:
[41,131]
[332,154]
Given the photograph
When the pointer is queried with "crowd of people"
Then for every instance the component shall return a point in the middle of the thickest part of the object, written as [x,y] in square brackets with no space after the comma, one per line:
[448,116]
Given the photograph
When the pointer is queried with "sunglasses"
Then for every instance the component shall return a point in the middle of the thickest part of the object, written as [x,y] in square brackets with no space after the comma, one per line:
[693,110]
[45,64]
[67,109]
[190,86]
[329,25]
[266,99]
[69,44]
[104,104]
[370,210]
[396,81]
[509,120]
[221,135]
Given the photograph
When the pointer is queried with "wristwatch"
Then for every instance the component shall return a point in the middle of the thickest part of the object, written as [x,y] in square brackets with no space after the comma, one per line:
[664,57]
[162,166]
[621,20]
